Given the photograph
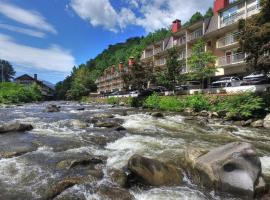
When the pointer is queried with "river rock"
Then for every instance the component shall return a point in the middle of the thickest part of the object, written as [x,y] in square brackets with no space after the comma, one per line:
[52,108]
[106,124]
[266,122]
[71,163]
[204,113]
[15,127]
[122,103]
[78,124]
[80,109]
[119,177]
[153,172]
[239,123]
[257,123]
[120,128]
[157,114]
[233,168]
[114,193]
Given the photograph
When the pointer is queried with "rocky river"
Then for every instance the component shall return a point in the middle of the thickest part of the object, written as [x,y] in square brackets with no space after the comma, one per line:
[70,154]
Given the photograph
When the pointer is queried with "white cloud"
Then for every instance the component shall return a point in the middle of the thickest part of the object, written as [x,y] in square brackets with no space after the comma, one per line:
[150,14]
[25,31]
[53,58]
[26,17]
[97,12]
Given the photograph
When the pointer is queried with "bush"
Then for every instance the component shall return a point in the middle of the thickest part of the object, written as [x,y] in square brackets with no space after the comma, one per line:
[242,106]
[15,93]
[152,101]
[171,104]
[198,102]
[113,100]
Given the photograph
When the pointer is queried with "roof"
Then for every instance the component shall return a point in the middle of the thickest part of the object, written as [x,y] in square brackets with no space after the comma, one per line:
[44,83]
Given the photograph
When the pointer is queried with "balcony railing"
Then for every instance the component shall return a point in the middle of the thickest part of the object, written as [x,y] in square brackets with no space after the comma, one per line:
[160,62]
[180,41]
[195,35]
[231,59]
[228,40]
[253,9]
[232,18]
[158,50]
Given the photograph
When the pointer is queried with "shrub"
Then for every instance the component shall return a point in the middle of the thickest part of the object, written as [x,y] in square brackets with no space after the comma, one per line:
[152,101]
[113,100]
[171,104]
[198,102]
[242,106]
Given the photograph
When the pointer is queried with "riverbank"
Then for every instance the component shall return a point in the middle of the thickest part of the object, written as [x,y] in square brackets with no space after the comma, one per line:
[246,109]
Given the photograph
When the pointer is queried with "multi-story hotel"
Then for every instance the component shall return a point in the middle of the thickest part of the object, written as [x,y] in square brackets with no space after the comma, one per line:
[111,80]
[220,32]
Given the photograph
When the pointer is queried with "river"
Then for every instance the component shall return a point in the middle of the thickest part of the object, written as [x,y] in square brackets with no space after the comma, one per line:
[31,163]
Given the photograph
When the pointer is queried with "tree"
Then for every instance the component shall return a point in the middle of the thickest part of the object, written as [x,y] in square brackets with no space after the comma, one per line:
[137,77]
[169,77]
[209,13]
[8,71]
[201,62]
[255,38]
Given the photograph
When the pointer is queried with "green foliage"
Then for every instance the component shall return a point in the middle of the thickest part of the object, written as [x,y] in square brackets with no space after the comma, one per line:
[152,101]
[14,93]
[197,102]
[241,106]
[169,77]
[201,62]
[255,38]
[8,71]
[209,13]
[113,100]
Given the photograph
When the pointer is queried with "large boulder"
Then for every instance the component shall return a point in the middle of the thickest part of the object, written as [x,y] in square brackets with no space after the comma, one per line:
[52,108]
[15,127]
[153,172]
[233,168]
[266,122]
[257,123]
[157,114]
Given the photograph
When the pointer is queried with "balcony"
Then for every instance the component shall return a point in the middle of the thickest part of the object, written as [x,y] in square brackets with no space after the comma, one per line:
[158,50]
[234,17]
[231,59]
[160,62]
[228,40]
[179,42]
[195,35]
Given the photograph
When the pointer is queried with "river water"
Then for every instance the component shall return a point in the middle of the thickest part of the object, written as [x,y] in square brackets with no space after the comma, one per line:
[30,163]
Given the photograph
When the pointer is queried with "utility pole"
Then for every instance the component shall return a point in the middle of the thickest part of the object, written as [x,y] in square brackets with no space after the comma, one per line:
[2,72]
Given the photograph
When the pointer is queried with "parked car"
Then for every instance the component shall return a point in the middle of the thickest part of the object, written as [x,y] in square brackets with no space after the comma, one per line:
[256,78]
[230,81]
[191,85]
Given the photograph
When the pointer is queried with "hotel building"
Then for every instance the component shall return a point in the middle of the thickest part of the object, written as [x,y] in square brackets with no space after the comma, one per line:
[220,32]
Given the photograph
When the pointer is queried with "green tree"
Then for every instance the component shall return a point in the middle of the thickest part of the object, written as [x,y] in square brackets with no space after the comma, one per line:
[8,71]
[209,13]
[137,77]
[170,75]
[201,62]
[255,38]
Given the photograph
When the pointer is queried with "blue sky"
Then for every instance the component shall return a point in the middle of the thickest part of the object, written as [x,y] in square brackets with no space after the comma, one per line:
[49,37]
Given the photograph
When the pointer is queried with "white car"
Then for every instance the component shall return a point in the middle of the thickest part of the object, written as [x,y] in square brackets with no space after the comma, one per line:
[230,81]
[256,78]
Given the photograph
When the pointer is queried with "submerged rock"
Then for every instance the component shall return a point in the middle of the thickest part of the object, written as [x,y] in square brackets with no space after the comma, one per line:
[114,193]
[106,124]
[157,114]
[80,109]
[233,168]
[78,124]
[119,177]
[266,122]
[52,108]
[15,127]
[153,172]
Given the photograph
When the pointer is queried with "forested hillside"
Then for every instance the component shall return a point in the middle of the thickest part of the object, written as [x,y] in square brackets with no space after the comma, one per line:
[82,78]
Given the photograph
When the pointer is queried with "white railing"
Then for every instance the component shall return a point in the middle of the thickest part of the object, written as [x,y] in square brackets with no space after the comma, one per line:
[148,54]
[182,55]
[231,59]
[232,18]
[160,62]
[253,9]
[228,40]
[195,35]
